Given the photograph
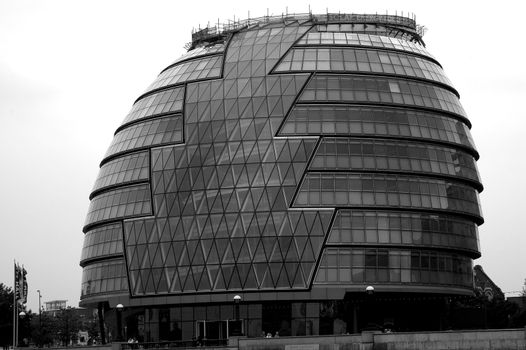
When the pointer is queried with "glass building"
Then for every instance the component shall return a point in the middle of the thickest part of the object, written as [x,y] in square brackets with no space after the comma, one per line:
[293,161]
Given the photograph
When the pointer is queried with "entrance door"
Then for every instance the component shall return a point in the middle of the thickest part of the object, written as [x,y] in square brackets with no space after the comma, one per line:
[211,332]
[200,330]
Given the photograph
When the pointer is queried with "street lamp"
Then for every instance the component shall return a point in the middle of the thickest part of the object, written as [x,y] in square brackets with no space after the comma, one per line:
[237,299]
[119,308]
[39,311]
[369,291]
[21,314]
[237,329]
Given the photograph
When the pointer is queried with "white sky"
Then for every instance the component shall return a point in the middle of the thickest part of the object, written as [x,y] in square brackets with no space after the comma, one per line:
[70,71]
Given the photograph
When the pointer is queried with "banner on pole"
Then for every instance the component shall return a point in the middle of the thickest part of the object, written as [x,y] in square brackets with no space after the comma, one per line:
[20,286]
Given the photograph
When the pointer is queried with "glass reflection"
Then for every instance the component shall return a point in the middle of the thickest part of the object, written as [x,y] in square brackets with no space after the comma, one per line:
[349,88]
[354,265]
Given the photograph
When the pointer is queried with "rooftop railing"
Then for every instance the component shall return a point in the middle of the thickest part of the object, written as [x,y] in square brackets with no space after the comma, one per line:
[219,29]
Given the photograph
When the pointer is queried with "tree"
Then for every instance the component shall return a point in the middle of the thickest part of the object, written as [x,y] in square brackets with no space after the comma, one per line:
[66,326]
[42,330]
[6,318]
[6,315]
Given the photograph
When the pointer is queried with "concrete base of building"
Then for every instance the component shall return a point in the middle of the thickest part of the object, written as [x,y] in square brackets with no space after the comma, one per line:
[504,339]
[501,339]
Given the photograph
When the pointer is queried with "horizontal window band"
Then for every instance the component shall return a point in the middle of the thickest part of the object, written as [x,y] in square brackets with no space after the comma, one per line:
[102,258]
[199,57]
[365,47]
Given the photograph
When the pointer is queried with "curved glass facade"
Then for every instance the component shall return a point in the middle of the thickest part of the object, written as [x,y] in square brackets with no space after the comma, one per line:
[315,155]
[323,59]
[165,101]
[393,156]
[376,121]
[345,37]
[103,241]
[375,90]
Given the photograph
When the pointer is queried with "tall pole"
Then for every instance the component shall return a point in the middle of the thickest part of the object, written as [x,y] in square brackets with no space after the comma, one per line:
[100,311]
[15,311]
[119,308]
[39,312]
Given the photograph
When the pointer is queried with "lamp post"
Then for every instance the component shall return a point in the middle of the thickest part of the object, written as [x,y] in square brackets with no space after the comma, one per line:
[22,314]
[119,308]
[39,311]
[369,291]
[237,300]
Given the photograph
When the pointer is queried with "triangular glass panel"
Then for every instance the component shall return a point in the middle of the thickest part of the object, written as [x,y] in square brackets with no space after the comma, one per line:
[150,286]
[301,228]
[235,281]
[298,281]
[220,281]
[228,255]
[268,244]
[308,254]
[317,243]
[185,259]
[266,280]
[285,229]
[204,283]
[162,285]
[236,246]
[155,255]
[212,272]
[276,253]
[263,204]
[134,260]
[275,269]
[308,270]
[178,248]
[283,281]
[227,273]
[213,256]
[198,256]
[259,255]
[250,281]
[170,258]
[244,254]
[300,241]
[248,206]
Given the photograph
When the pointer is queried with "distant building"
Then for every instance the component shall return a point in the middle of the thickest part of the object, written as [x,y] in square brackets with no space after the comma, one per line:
[296,161]
[51,307]
[55,305]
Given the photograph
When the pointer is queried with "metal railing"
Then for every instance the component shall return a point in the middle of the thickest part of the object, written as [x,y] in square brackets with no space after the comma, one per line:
[327,18]
[174,344]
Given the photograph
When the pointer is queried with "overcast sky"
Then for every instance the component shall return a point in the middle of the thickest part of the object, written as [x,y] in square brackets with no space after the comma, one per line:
[70,71]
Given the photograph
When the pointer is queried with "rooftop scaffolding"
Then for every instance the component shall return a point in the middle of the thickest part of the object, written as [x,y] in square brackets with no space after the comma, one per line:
[220,30]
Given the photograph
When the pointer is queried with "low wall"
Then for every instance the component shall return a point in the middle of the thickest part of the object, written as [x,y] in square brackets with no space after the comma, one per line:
[504,339]
[94,347]
[346,342]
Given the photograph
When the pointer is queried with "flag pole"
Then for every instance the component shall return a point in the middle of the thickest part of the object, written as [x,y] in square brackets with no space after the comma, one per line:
[15,333]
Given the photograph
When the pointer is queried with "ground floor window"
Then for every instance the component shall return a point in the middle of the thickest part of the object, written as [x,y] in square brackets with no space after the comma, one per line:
[279,318]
